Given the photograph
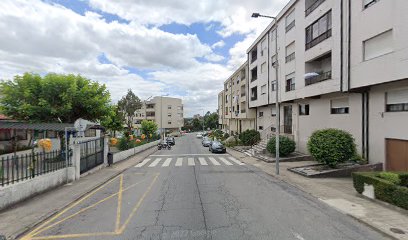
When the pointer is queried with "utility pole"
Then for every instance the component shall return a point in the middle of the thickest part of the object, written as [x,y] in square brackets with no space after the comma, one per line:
[276,66]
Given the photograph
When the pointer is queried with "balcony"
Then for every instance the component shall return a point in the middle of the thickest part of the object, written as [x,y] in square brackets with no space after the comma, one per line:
[319,39]
[311,6]
[318,78]
[243,94]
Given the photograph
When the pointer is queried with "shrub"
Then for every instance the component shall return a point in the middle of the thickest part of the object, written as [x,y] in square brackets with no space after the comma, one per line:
[391,177]
[383,189]
[226,135]
[125,143]
[331,146]
[249,137]
[286,146]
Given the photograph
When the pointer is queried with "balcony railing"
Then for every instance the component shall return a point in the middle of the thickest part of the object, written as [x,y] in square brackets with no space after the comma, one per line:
[319,39]
[290,57]
[312,7]
[319,78]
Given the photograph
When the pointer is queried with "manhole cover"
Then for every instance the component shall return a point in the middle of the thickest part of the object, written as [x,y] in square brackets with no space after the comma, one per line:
[397,231]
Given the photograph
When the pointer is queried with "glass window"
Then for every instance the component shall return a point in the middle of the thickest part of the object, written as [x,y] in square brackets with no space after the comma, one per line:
[263,67]
[397,100]
[303,109]
[273,86]
[339,106]
[263,89]
[5,134]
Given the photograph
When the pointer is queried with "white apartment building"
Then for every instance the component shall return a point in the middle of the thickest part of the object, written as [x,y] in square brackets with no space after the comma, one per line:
[167,112]
[235,116]
[341,64]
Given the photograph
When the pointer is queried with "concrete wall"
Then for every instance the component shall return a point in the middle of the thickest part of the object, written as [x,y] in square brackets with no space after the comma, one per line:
[17,192]
[119,156]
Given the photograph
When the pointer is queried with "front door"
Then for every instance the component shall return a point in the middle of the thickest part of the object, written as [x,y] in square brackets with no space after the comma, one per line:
[287,119]
[397,155]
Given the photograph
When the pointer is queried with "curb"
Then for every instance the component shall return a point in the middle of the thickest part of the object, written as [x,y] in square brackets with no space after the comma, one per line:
[22,232]
[297,187]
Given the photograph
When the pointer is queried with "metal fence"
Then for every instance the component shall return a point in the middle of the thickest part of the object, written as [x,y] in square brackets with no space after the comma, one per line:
[20,167]
[91,154]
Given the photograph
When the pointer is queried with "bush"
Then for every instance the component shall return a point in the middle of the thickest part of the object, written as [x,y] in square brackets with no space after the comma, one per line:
[383,189]
[226,135]
[331,146]
[286,146]
[250,137]
[391,177]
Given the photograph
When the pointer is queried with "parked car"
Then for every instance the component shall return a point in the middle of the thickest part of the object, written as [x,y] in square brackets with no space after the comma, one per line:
[171,141]
[217,147]
[206,142]
[199,135]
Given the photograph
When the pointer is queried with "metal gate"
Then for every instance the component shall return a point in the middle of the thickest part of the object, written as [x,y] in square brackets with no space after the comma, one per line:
[91,154]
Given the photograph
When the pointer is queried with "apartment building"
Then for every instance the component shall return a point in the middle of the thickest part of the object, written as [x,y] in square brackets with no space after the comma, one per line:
[341,64]
[235,116]
[167,112]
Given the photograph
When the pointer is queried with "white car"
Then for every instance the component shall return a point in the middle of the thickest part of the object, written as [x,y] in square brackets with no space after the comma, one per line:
[199,135]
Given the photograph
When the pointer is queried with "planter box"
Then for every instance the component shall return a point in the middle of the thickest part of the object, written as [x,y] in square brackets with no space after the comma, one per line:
[307,171]
[120,156]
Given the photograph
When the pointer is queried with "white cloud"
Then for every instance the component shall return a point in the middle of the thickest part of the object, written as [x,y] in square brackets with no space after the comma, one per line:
[218,44]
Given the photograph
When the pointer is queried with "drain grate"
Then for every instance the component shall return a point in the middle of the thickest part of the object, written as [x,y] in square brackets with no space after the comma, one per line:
[397,231]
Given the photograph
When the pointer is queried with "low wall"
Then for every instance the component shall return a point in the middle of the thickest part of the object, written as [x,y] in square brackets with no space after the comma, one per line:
[119,156]
[20,191]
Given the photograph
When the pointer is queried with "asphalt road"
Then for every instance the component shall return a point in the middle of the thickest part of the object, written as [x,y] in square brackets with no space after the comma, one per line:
[189,193]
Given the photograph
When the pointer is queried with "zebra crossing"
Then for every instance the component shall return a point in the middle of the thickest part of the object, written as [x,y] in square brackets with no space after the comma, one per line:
[188,161]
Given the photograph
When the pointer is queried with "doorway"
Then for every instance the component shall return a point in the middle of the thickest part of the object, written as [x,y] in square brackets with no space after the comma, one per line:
[396,155]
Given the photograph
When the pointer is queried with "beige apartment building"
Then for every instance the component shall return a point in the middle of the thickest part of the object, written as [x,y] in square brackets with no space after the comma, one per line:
[234,114]
[341,64]
[167,112]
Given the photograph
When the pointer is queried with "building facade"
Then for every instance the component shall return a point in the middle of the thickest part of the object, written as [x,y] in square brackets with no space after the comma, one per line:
[167,112]
[234,114]
[340,64]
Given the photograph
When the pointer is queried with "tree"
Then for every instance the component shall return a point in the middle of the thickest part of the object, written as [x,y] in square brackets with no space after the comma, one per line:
[149,127]
[114,120]
[211,120]
[128,106]
[197,124]
[53,98]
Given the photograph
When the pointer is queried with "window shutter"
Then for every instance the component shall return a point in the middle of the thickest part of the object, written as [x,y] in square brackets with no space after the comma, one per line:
[397,96]
[339,103]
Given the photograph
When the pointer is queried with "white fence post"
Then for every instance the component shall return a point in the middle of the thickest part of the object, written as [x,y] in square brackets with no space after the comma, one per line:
[76,159]
[105,150]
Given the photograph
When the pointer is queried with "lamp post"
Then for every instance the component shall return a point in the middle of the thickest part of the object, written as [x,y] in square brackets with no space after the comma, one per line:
[276,66]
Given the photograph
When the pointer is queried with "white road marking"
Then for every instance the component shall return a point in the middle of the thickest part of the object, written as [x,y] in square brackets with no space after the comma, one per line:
[225,161]
[191,162]
[187,155]
[213,161]
[297,235]
[167,162]
[141,164]
[202,161]
[155,162]
[236,161]
[179,162]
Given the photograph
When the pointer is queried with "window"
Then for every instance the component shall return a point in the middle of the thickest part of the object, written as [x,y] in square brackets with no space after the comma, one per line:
[397,101]
[5,134]
[226,99]
[254,93]
[264,47]
[273,111]
[168,114]
[169,122]
[290,82]
[290,21]
[226,110]
[138,122]
[290,52]
[254,55]
[263,67]
[303,109]
[179,108]
[273,60]
[90,133]
[339,106]
[150,114]
[319,31]
[273,35]
[260,127]
[260,114]
[311,5]
[254,74]
[263,89]
[51,134]
[168,106]
[273,86]
[378,45]
[369,3]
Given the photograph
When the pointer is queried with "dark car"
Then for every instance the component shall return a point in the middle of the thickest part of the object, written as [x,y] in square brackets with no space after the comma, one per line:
[171,140]
[206,142]
[217,147]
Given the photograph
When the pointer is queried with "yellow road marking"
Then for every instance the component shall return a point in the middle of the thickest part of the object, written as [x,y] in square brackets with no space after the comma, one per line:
[32,233]
[119,204]
[138,205]
[84,209]
[77,235]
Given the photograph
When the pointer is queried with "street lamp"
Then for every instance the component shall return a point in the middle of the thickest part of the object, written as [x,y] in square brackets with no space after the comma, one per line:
[276,66]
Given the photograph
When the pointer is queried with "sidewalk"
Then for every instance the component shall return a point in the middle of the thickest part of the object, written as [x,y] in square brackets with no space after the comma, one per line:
[340,194]
[22,217]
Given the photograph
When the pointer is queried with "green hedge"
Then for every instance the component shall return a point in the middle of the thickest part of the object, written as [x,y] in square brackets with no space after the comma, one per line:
[250,137]
[383,189]
[286,146]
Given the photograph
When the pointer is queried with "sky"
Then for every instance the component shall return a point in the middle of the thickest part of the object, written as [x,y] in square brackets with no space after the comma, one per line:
[185,49]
